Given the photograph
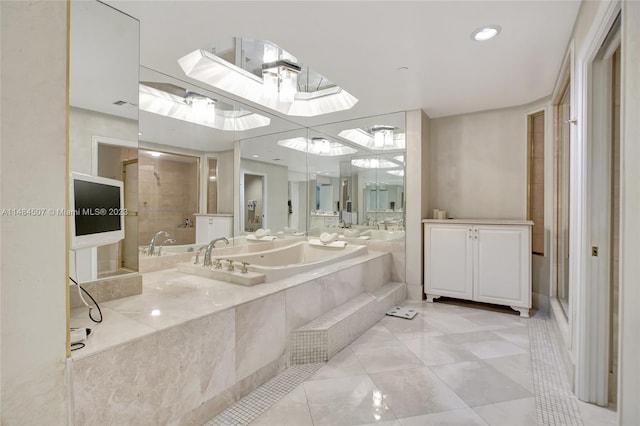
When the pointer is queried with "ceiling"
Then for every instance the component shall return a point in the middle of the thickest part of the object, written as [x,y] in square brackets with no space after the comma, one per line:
[361,45]
[392,55]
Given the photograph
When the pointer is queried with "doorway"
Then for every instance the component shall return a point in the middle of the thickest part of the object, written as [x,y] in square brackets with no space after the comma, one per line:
[254,202]
[603,218]
[129,246]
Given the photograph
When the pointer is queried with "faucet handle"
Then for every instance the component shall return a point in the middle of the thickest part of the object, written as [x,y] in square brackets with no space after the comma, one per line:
[218,264]
[244,269]
[230,265]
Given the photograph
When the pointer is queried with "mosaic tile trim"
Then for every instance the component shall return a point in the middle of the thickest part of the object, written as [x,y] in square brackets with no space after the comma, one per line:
[320,339]
[260,400]
[555,403]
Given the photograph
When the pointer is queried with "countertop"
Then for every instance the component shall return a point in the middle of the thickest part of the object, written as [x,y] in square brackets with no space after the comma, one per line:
[480,221]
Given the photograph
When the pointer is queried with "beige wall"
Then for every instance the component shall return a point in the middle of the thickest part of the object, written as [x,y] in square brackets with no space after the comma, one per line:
[479,164]
[33,154]
[84,125]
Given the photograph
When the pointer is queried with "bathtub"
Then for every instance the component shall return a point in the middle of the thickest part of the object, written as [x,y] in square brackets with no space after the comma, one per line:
[275,264]
[384,235]
[173,255]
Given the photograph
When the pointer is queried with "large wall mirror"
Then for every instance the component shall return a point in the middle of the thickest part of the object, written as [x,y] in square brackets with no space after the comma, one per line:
[189,178]
[103,123]
[346,175]
[198,165]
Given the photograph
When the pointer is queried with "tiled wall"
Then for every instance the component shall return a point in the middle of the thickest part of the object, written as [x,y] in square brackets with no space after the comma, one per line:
[168,195]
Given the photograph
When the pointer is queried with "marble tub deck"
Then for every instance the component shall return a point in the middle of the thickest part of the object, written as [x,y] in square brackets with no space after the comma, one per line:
[193,346]
[171,298]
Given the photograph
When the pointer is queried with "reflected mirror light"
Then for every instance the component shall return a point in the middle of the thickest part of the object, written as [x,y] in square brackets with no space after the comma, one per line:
[260,71]
[176,102]
[317,146]
[380,138]
[373,163]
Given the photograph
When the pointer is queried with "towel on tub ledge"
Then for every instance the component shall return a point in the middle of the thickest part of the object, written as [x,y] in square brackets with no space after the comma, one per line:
[252,237]
[328,240]
[336,244]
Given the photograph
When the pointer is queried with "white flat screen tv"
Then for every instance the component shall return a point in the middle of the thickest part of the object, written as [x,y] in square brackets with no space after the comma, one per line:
[97,211]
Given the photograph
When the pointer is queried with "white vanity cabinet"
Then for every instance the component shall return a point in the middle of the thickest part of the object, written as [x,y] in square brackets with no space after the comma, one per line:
[484,261]
[210,226]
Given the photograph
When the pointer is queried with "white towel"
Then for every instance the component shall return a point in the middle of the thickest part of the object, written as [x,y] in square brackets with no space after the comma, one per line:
[336,244]
[252,237]
[262,232]
[327,238]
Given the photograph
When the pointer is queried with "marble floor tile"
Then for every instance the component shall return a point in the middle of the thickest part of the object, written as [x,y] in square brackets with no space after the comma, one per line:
[460,417]
[517,335]
[409,329]
[477,383]
[374,337]
[292,410]
[384,423]
[494,320]
[346,401]
[594,415]
[516,367]
[433,351]
[430,372]
[493,348]
[413,392]
[386,358]
[520,412]
[473,337]
[343,364]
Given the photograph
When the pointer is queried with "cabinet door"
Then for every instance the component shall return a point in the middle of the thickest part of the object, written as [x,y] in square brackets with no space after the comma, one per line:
[204,225]
[448,261]
[502,272]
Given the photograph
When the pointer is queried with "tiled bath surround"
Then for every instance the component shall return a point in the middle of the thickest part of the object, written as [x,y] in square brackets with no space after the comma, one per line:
[107,289]
[211,345]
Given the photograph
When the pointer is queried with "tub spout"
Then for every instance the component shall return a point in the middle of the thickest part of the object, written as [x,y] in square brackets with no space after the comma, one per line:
[167,241]
[198,254]
[207,253]
[152,243]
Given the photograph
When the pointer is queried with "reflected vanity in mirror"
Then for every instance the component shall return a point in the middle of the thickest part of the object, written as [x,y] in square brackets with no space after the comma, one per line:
[197,206]
[343,176]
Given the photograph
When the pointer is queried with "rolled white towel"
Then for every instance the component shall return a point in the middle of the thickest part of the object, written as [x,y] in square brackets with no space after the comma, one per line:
[326,238]
[262,232]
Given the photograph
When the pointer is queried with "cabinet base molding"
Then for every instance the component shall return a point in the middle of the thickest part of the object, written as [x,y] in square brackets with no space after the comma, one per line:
[432,297]
[524,312]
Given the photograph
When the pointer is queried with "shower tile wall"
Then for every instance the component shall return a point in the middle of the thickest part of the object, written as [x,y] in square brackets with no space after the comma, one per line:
[168,196]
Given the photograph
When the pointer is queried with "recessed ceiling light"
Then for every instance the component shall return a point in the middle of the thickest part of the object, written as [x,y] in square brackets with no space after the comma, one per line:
[155,154]
[139,133]
[255,156]
[486,33]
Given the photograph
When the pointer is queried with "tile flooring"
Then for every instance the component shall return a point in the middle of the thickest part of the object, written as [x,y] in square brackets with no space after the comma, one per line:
[451,365]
